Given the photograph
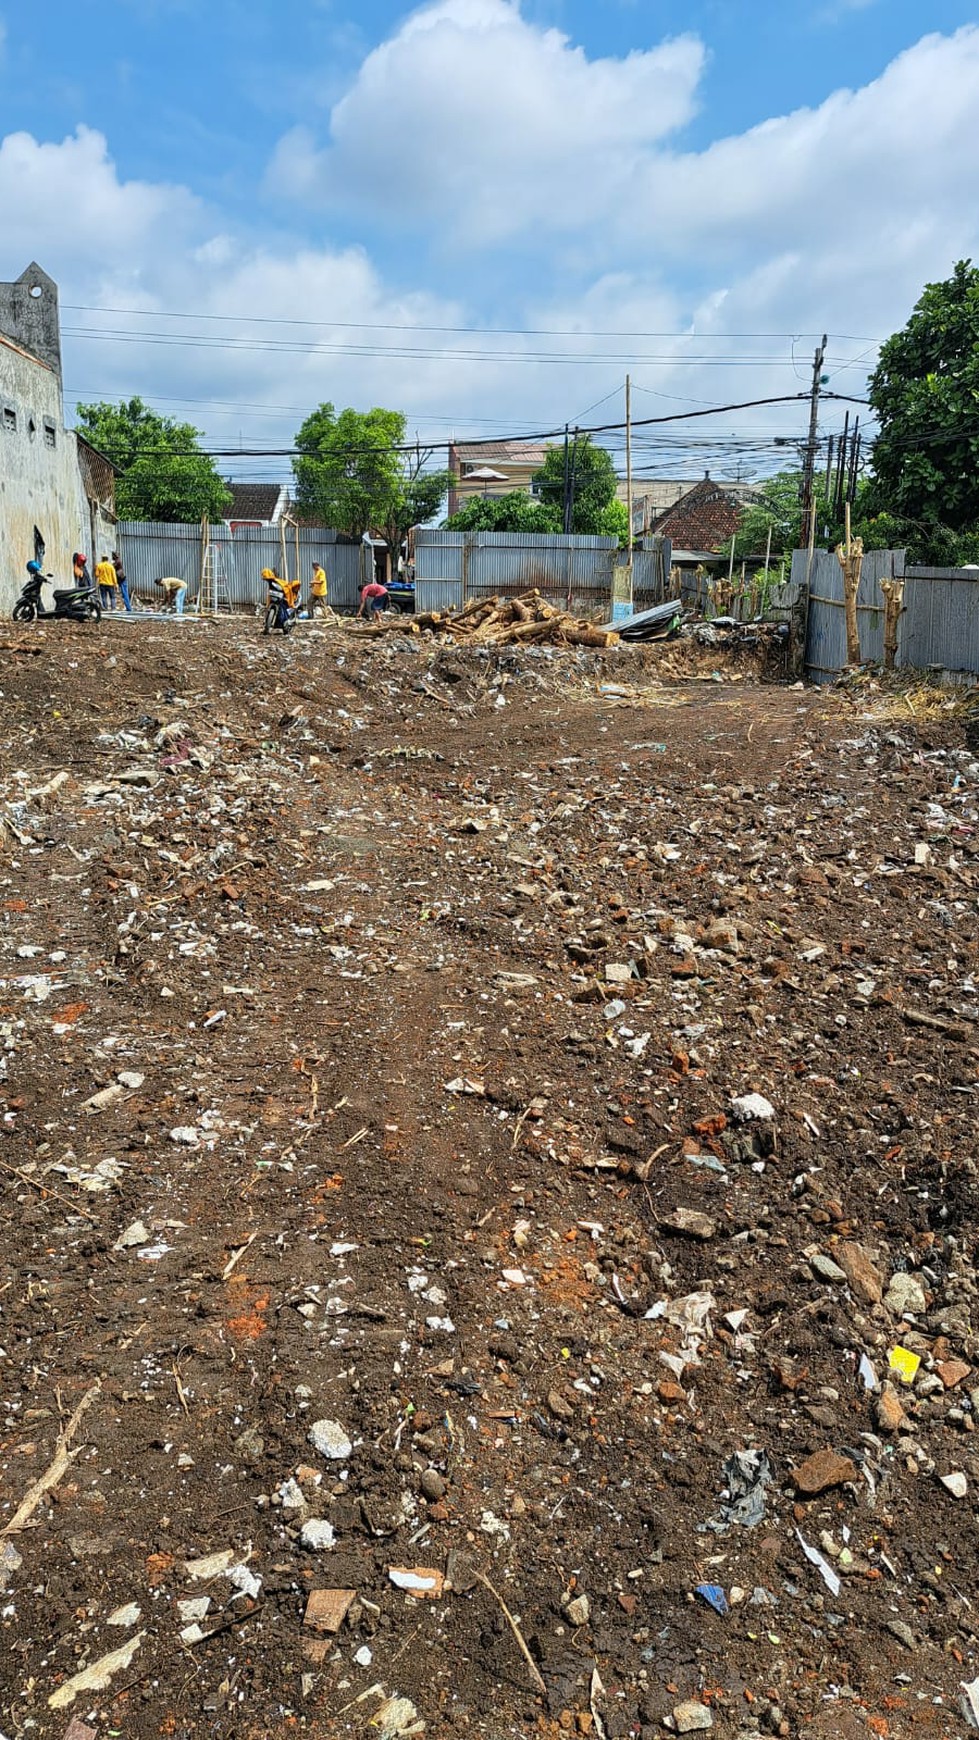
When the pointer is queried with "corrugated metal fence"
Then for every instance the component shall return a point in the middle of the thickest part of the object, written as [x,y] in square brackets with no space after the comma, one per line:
[939,625]
[151,550]
[571,573]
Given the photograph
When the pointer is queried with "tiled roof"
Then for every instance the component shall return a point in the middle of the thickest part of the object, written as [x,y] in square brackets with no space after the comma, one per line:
[253,501]
[492,452]
[703,519]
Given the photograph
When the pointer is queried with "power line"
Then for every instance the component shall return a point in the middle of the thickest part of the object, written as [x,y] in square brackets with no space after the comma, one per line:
[487,331]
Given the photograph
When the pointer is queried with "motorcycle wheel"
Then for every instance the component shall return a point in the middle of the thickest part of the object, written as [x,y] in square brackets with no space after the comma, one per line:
[95,611]
[270,619]
[24,611]
[287,624]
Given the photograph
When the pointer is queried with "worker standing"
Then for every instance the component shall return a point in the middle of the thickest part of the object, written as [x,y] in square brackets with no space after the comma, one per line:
[108,584]
[123,582]
[318,591]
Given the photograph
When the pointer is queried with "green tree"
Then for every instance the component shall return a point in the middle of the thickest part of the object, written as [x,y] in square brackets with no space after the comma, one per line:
[355,474]
[591,484]
[925,394]
[516,512]
[163,473]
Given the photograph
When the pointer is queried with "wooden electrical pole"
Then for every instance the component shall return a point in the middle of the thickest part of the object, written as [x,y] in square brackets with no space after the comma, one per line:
[628,470]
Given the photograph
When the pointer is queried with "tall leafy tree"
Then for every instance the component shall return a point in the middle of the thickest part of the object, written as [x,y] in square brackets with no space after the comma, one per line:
[925,393]
[515,512]
[591,484]
[355,474]
[163,473]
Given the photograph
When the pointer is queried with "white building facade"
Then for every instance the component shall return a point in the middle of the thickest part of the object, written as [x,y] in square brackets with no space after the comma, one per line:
[39,474]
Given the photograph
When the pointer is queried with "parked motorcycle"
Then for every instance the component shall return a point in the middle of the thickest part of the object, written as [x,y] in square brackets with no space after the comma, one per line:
[76,603]
[282,609]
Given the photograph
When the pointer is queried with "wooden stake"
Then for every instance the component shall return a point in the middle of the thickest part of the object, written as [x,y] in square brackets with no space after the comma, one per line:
[47,1190]
[893,591]
[850,558]
[514,1627]
[63,1458]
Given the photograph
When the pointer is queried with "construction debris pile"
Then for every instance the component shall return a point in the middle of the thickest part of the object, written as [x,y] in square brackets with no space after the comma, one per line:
[523,621]
[489,1197]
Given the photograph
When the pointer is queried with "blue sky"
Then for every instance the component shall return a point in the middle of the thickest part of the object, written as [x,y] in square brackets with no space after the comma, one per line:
[713,173]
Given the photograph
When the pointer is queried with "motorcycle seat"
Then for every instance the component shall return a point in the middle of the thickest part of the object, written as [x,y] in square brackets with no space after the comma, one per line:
[69,592]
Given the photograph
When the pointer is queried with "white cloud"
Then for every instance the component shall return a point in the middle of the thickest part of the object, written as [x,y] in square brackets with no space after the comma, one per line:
[66,200]
[852,173]
[471,117]
[831,218]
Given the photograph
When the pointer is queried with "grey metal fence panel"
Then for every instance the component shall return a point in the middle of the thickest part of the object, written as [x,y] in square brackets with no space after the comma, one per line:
[151,550]
[572,573]
[439,570]
[256,547]
[940,625]
[651,572]
[826,635]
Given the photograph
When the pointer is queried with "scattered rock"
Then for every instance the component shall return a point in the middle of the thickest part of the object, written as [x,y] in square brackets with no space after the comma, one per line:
[98,1676]
[134,1235]
[821,1471]
[956,1484]
[689,1223]
[125,1616]
[250,1445]
[318,1535]
[432,1485]
[330,1439]
[905,1295]
[752,1108]
[423,1582]
[825,1267]
[10,1561]
[889,1410]
[326,1609]
[861,1272]
[953,1372]
[902,1632]
[692,1717]
[577,1611]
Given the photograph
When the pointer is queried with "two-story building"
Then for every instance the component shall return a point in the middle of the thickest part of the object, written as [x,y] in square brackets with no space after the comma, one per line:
[493,468]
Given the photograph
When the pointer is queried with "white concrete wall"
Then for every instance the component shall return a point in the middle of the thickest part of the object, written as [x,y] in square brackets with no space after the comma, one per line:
[38,481]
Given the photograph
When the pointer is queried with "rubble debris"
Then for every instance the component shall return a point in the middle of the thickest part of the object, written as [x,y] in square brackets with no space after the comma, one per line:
[692,1717]
[371,880]
[823,1470]
[326,1609]
[98,1676]
[330,1439]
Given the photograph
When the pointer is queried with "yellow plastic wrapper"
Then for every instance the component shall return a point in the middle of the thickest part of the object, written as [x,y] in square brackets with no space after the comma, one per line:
[904,1363]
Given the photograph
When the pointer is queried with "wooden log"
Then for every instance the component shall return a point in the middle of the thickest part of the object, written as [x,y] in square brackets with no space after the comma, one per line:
[893,591]
[850,558]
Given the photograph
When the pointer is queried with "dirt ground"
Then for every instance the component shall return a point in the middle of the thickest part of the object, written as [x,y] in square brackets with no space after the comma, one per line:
[449,1113]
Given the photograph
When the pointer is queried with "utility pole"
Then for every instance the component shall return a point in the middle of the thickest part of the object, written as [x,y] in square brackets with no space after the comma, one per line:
[809,465]
[565,526]
[569,492]
[628,470]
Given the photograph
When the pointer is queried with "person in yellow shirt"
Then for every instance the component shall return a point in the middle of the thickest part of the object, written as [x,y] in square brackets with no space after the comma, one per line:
[107,581]
[318,591]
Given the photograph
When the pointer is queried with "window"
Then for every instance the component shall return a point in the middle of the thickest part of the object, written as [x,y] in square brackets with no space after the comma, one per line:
[50,433]
[10,419]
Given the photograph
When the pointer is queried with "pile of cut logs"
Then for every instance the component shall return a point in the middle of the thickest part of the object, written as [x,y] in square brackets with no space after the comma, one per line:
[501,622]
